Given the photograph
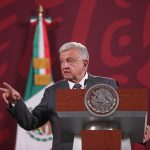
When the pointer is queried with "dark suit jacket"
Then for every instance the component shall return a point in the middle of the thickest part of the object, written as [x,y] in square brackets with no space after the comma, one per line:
[45,111]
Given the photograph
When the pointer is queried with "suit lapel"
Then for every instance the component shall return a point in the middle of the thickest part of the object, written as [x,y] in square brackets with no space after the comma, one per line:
[64,84]
[90,81]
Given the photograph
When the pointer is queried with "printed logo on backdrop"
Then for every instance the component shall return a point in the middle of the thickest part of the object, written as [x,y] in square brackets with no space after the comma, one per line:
[101,100]
[41,134]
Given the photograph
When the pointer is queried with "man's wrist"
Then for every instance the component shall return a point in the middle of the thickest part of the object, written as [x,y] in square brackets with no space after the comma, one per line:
[14,102]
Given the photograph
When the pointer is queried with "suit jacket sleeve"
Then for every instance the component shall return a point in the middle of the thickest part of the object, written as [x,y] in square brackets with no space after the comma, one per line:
[114,83]
[30,120]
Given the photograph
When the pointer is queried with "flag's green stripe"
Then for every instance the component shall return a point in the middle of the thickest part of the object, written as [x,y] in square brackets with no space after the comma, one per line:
[31,88]
[36,46]
[36,42]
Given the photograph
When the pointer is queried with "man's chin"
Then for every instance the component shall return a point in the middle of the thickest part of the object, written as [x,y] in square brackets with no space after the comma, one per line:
[67,77]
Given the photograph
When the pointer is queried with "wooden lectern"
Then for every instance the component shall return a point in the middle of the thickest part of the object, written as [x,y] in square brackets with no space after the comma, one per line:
[130,118]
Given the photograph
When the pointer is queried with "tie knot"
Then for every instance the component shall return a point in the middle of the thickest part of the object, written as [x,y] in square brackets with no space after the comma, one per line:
[77,86]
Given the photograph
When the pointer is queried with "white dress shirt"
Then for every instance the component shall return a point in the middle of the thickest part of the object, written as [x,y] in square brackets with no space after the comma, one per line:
[82,82]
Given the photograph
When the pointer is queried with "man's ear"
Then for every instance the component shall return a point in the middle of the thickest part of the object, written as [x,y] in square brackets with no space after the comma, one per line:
[86,63]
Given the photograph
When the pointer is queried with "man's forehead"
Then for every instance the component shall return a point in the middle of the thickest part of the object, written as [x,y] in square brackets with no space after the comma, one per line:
[70,50]
[70,53]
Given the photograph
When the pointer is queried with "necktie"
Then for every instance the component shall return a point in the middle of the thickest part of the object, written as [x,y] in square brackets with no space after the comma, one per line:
[77,86]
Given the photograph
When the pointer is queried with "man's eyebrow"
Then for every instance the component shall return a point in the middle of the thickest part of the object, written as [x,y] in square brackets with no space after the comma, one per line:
[66,58]
[70,58]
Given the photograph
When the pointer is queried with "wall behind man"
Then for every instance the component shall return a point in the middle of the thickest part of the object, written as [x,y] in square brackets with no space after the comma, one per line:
[116,33]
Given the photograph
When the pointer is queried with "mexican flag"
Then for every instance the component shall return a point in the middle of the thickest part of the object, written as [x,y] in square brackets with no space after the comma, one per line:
[39,77]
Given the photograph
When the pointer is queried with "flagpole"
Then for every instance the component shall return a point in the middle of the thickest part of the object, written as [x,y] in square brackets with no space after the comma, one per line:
[40,11]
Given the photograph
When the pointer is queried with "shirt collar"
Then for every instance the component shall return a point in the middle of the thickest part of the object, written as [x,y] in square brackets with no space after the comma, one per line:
[82,82]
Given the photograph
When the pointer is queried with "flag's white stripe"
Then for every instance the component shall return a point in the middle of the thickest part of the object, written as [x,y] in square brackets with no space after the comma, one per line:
[42,71]
[41,44]
[41,40]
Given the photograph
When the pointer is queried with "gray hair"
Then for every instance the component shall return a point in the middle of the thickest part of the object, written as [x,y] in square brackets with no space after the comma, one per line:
[81,48]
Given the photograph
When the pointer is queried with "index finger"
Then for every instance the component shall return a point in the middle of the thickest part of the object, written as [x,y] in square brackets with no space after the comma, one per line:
[3,90]
[8,86]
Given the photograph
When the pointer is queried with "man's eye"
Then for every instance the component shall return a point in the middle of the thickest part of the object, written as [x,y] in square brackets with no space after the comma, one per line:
[70,61]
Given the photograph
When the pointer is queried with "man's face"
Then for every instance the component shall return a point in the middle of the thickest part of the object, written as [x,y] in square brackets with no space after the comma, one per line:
[73,67]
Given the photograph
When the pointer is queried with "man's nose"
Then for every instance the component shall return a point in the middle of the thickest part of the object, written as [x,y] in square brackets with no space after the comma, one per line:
[65,65]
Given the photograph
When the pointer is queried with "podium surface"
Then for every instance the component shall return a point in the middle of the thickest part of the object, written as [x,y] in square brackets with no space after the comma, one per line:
[130,117]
